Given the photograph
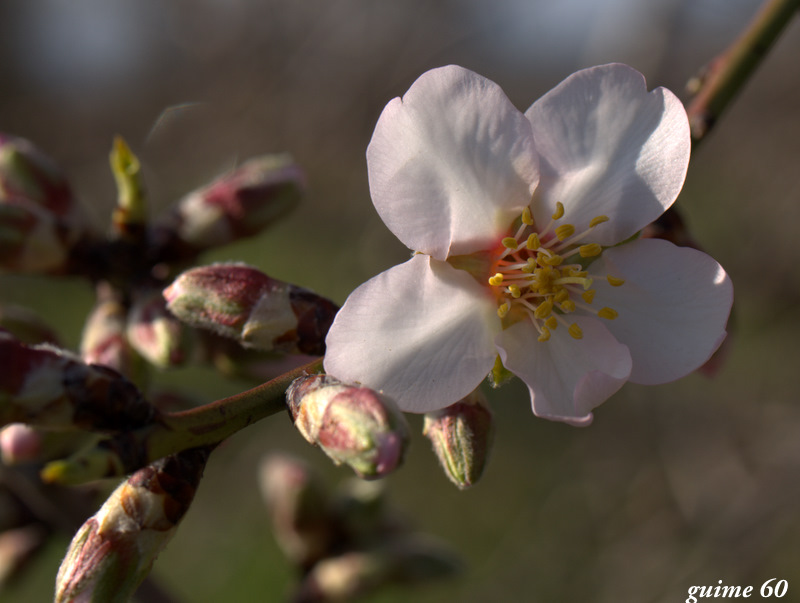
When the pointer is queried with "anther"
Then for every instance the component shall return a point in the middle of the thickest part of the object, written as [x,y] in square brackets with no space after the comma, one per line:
[565,231]
[575,331]
[588,296]
[543,310]
[553,260]
[614,281]
[559,213]
[591,250]
[514,290]
[607,313]
[510,243]
[502,311]
[496,280]
[597,220]
[527,217]
[551,323]
[533,242]
[568,306]
[545,335]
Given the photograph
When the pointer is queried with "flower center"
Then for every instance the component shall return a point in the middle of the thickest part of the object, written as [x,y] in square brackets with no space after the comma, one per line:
[541,275]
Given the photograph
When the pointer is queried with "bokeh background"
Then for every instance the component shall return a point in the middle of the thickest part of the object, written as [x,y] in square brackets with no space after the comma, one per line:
[673,486]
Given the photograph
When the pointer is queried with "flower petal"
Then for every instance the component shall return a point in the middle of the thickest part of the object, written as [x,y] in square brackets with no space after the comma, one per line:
[672,308]
[608,147]
[567,378]
[451,164]
[422,332]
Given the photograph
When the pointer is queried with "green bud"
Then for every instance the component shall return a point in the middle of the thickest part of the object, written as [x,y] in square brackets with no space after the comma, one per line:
[354,426]
[131,211]
[461,435]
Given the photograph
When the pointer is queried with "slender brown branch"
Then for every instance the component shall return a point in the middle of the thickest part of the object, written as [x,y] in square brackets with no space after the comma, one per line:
[727,73]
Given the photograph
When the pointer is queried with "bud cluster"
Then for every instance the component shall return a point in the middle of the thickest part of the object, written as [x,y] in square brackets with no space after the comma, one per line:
[348,542]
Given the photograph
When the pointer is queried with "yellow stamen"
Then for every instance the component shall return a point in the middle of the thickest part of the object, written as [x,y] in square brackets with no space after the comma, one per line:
[533,242]
[561,296]
[559,213]
[614,281]
[551,323]
[496,280]
[502,311]
[565,231]
[553,260]
[597,220]
[527,217]
[568,306]
[510,243]
[514,290]
[543,310]
[607,313]
[588,296]
[545,334]
[575,331]
[591,250]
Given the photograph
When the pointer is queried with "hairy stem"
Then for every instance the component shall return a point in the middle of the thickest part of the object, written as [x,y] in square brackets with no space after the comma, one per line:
[727,73]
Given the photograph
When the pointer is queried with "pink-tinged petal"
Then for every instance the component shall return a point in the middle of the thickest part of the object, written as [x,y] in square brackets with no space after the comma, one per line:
[567,378]
[672,308]
[608,147]
[421,332]
[451,164]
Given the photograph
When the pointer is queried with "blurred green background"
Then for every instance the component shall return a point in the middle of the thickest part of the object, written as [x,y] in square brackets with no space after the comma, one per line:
[673,486]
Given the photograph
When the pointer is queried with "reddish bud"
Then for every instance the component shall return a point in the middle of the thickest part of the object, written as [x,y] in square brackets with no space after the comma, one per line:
[238,204]
[242,303]
[104,340]
[153,331]
[352,425]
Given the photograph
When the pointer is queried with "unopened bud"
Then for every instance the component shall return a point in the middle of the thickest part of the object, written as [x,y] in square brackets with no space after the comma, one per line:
[409,560]
[31,239]
[153,331]
[39,219]
[20,443]
[44,386]
[352,425]
[242,303]
[26,172]
[130,213]
[17,546]
[298,507]
[104,340]
[114,550]
[461,435]
[238,204]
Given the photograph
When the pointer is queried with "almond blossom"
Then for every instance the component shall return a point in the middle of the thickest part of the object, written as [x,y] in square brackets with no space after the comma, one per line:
[523,228]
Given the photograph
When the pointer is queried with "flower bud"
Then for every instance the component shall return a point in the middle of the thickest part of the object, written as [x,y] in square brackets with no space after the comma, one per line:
[31,240]
[298,507]
[240,302]
[352,425]
[17,547]
[408,560]
[114,550]
[44,386]
[21,443]
[461,435]
[153,331]
[104,340]
[25,172]
[39,219]
[238,204]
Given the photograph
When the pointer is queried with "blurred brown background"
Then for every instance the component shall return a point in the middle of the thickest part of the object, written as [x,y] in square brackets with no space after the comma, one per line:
[673,486]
